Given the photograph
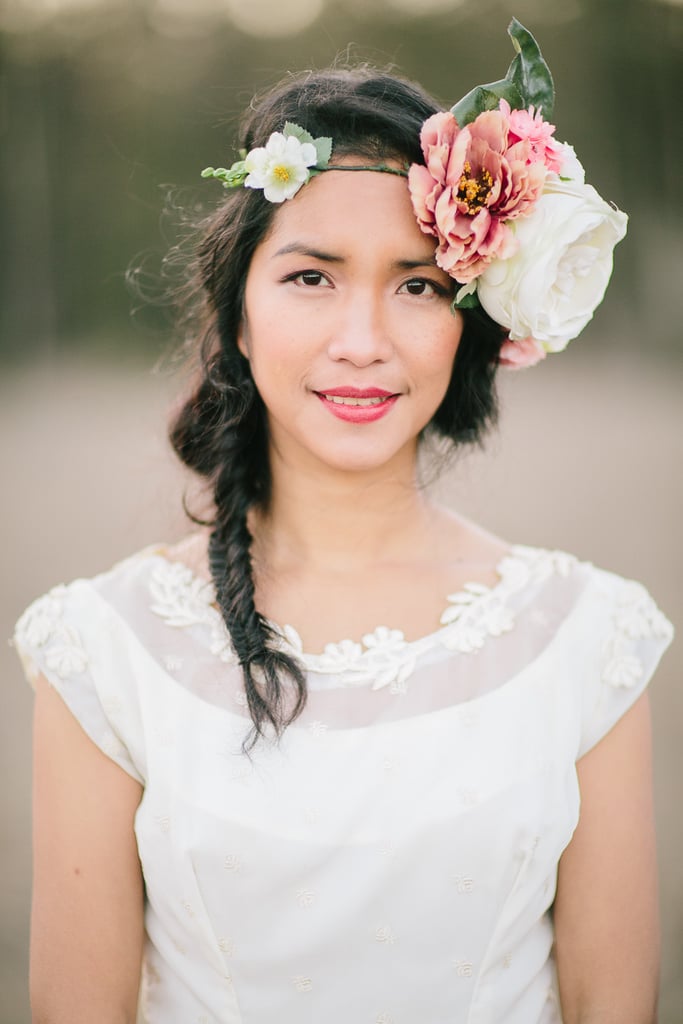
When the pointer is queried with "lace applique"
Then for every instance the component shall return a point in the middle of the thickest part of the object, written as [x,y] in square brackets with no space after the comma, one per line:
[386,658]
[478,612]
[636,617]
[183,599]
[42,626]
[383,657]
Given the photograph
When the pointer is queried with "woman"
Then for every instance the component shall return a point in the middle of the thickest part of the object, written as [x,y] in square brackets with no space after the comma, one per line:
[386,828]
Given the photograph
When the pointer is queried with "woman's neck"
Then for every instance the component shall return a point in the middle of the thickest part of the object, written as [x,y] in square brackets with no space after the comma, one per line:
[335,520]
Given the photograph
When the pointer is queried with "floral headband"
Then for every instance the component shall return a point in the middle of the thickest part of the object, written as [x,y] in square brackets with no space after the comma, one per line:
[516,224]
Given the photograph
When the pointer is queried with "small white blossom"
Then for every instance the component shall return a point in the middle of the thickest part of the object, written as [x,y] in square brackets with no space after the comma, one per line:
[280,167]
[41,621]
[622,670]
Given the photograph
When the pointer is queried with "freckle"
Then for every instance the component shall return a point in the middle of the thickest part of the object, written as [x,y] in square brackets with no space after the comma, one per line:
[77,871]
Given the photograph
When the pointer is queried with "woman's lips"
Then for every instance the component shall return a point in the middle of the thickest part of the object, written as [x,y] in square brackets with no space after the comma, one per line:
[358,405]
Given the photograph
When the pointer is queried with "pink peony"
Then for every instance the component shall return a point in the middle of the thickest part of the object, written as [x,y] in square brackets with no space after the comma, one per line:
[474,181]
[517,355]
[529,125]
[437,137]
[426,183]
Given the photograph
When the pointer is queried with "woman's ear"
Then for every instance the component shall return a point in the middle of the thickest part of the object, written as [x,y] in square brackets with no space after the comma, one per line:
[243,337]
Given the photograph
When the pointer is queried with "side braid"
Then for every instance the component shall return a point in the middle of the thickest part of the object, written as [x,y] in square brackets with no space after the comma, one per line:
[221,433]
[238,486]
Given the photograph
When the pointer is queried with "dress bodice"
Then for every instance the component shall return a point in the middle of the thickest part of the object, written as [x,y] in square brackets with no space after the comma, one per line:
[394,857]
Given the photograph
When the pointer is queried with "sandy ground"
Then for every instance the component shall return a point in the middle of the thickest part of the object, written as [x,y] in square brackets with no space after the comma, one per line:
[588,458]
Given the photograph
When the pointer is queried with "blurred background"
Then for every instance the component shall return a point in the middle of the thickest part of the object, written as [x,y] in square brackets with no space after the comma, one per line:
[108,111]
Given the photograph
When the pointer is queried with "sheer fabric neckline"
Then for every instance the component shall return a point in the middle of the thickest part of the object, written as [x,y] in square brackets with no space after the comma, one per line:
[472,615]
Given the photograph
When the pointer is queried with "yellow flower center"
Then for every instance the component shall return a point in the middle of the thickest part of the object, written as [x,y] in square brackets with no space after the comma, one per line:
[281,173]
[474,191]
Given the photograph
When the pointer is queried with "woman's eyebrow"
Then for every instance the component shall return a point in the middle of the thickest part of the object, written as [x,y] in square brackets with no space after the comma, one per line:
[302,249]
[306,250]
[415,264]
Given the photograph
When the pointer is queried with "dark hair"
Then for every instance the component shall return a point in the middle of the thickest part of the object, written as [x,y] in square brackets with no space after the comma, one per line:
[221,432]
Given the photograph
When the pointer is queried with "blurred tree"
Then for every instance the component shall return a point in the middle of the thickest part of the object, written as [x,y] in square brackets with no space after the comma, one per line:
[104,105]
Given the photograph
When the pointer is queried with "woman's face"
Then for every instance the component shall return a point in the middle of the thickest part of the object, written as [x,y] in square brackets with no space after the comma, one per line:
[347,324]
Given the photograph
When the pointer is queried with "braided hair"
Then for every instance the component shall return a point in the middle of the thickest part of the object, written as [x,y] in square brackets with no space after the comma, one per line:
[221,430]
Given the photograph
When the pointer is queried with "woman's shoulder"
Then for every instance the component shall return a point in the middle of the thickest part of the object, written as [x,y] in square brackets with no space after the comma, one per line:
[544,572]
[124,589]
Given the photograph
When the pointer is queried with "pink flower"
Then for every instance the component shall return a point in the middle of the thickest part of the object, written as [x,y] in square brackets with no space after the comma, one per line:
[426,183]
[529,125]
[517,355]
[474,182]
[437,137]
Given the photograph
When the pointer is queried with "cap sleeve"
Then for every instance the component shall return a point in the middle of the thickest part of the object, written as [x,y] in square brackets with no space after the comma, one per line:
[631,634]
[72,637]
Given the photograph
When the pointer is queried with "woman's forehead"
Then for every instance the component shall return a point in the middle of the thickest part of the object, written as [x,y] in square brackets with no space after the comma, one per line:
[348,210]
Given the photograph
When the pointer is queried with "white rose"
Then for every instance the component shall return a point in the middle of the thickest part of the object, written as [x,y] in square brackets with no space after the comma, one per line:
[571,165]
[552,285]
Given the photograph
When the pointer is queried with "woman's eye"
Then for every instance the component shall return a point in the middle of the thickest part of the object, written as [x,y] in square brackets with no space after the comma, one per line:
[421,286]
[310,278]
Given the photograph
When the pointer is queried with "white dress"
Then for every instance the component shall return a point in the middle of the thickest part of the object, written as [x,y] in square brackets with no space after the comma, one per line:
[394,859]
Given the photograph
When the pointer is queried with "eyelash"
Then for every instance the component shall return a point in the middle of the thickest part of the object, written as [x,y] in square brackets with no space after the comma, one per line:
[299,276]
[438,289]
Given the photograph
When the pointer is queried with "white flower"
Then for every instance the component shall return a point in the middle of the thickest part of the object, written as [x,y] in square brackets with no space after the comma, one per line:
[280,167]
[66,656]
[622,670]
[571,165]
[385,639]
[340,656]
[41,621]
[550,288]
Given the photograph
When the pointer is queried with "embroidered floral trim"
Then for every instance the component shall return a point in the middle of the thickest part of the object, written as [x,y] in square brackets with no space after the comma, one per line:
[183,599]
[477,612]
[42,626]
[636,617]
[383,657]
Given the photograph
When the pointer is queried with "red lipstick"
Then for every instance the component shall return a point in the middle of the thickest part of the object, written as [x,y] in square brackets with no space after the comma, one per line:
[357,405]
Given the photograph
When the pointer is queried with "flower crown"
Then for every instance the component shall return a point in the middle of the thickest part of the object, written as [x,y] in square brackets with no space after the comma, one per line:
[515,222]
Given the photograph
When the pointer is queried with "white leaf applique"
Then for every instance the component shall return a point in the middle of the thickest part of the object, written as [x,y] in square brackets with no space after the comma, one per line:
[475,613]
[340,657]
[220,643]
[622,669]
[383,658]
[65,655]
[41,620]
[183,599]
[636,617]
[180,598]
[385,640]
[292,639]
[42,626]
[389,658]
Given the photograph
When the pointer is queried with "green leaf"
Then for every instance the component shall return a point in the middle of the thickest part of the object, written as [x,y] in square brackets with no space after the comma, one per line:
[323,148]
[299,133]
[529,71]
[466,297]
[486,97]
[528,82]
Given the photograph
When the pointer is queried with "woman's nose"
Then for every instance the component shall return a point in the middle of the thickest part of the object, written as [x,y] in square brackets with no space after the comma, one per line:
[361,334]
